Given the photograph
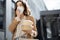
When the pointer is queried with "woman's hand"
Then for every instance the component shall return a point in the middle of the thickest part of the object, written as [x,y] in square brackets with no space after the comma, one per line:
[27,31]
[18,13]
[31,32]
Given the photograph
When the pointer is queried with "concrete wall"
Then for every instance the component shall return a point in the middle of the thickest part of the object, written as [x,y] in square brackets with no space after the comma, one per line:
[36,6]
[8,18]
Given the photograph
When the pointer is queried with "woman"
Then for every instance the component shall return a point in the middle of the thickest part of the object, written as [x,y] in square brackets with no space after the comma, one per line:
[22,14]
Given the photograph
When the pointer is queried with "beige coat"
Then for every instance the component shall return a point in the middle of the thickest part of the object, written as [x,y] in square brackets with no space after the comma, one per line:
[14,24]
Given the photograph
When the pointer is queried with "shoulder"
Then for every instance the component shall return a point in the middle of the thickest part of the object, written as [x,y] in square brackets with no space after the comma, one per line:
[31,18]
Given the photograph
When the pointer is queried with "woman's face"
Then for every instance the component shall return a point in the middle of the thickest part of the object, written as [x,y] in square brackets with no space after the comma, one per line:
[20,7]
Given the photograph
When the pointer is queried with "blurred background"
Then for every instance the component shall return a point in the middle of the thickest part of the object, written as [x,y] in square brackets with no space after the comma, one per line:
[36,6]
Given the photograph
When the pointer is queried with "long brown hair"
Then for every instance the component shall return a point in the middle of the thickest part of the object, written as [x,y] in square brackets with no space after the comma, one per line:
[25,8]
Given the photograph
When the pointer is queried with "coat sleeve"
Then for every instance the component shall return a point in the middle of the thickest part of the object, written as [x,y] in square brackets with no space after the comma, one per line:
[34,24]
[35,28]
[13,25]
